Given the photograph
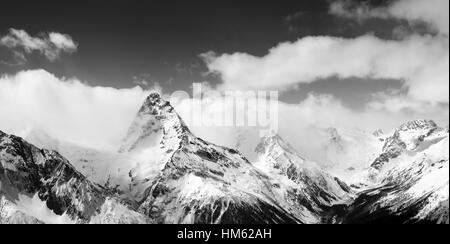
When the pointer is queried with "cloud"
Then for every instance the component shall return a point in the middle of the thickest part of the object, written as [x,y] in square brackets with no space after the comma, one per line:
[356,10]
[51,45]
[18,59]
[433,12]
[420,61]
[62,42]
[99,117]
[67,109]
[302,124]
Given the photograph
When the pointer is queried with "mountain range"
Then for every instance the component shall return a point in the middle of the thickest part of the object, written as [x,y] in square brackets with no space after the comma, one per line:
[164,174]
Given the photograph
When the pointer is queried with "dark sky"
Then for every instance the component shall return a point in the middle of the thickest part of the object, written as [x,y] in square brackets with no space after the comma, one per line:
[161,40]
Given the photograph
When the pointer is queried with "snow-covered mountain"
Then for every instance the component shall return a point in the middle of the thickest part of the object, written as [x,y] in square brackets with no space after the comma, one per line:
[163,173]
[343,152]
[40,186]
[196,182]
[347,152]
[405,143]
[164,170]
[307,189]
[409,181]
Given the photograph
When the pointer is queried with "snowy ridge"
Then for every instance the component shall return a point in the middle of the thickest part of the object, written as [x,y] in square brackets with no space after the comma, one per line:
[306,188]
[164,174]
[342,152]
[198,182]
[409,182]
[411,138]
[31,177]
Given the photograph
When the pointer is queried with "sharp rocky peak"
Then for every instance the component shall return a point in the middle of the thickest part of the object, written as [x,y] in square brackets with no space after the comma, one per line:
[156,122]
[269,141]
[273,145]
[162,110]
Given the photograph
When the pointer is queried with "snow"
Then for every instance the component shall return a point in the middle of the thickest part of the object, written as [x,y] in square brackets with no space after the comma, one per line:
[296,177]
[419,175]
[113,212]
[35,207]
[435,173]
[170,174]
[344,152]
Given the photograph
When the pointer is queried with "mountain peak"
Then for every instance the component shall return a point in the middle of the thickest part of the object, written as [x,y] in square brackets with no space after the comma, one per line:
[418,125]
[333,135]
[378,133]
[155,121]
[408,137]
[270,141]
[155,100]
[154,95]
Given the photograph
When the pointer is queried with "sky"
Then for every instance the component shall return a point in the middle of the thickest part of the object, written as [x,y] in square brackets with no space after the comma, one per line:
[75,66]
[121,43]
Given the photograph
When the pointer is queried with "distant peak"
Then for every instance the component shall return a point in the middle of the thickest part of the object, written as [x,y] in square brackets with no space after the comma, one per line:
[418,124]
[332,130]
[271,140]
[378,133]
[333,134]
[270,134]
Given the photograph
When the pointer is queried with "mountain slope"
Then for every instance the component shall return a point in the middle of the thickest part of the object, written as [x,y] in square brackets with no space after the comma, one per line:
[342,152]
[409,140]
[165,174]
[410,179]
[197,182]
[31,176]
[307,189]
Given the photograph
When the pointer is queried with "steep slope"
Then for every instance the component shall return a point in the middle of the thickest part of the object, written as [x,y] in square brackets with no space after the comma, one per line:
[409,182]
[193,181]
[408,140]
[348,152]
[342,152]
[307,189]
[9,214]
[109,169]
[30,176]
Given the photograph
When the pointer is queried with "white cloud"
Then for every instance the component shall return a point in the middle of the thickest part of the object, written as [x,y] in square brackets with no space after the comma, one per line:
[99,117]
[356,10]
[20,38]
[62,41]
[421,61]
[303,124]
[51,45]
[67,109]
[433,12]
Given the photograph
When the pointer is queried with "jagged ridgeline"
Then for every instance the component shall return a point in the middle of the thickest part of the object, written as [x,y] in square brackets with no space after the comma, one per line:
[163,173]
